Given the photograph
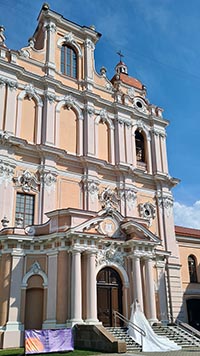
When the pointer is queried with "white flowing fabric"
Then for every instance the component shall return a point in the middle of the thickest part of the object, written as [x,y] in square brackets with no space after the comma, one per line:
[150,342]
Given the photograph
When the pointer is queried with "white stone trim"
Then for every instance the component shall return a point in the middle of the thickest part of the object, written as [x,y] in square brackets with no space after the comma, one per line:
[30,91]
[34,270]
[120,269]
[73,104]
[70,40]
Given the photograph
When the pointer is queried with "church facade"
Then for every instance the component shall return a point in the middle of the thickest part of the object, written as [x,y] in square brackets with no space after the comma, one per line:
[86,207]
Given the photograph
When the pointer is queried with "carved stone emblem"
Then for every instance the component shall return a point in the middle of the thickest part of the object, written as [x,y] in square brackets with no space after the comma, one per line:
[110,253]
[108,198]
[27,181]
[147,210]
[108,227]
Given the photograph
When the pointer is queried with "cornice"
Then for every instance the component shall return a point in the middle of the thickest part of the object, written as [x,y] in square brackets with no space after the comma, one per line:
[43,82]
[21,146]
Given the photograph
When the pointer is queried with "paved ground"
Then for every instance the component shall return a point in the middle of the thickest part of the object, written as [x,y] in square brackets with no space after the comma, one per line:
[168,353]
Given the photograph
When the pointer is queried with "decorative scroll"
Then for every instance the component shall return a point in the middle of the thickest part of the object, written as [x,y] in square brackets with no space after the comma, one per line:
[27,181]
[108,198]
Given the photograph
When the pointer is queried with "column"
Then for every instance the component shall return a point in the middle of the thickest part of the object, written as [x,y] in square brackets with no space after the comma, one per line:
[91,302]
[137,281]
[76,288]
[14,327]
[50,321]
[50,49]
[150,293]
[162,293]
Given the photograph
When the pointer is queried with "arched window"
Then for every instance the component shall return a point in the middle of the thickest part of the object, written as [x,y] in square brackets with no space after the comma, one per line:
[192,269]
[140,146]
[68,61]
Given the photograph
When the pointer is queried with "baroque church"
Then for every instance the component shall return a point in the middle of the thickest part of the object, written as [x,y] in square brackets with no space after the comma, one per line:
[86,204]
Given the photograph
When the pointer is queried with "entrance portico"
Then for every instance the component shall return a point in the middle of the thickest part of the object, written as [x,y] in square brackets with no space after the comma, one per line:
[108,261]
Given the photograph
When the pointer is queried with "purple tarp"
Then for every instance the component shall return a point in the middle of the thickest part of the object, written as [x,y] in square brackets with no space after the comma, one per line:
[38,341]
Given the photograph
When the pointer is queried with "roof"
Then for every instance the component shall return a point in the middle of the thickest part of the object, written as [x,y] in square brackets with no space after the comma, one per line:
[186,231]
[133,82]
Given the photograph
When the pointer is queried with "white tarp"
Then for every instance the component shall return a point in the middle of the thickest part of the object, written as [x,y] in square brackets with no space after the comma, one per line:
[150,342]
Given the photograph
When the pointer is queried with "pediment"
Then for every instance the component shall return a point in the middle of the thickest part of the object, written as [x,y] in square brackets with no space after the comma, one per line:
[106,223]
[139,232]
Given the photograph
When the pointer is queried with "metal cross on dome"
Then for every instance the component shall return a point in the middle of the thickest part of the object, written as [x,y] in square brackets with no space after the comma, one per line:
[120,55]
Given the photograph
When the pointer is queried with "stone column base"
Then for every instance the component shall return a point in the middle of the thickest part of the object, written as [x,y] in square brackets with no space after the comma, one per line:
[13,335]
[93,322]
[70,323]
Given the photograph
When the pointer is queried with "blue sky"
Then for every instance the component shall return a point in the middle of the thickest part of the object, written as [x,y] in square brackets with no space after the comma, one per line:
[161,47]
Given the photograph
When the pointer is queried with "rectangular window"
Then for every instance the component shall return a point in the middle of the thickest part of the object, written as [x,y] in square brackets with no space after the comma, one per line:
[25,208]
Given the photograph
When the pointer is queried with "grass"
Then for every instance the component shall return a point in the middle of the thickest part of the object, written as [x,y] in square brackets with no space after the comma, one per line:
[19,352]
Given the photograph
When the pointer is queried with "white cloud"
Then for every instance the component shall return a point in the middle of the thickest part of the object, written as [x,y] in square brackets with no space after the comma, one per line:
[187,216]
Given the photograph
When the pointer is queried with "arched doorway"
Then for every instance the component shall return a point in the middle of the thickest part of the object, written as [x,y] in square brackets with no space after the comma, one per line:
[109,295]
[193,309]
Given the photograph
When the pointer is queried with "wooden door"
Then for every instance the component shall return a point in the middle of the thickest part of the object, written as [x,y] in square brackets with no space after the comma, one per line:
[109,295]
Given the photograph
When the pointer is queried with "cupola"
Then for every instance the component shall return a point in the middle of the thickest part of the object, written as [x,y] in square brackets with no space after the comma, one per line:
[121,67]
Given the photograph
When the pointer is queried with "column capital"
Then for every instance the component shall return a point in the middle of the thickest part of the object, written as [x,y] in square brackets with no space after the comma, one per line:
[91,251]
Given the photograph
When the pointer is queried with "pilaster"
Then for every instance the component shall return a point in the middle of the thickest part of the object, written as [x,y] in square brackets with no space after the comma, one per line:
[157,152]
[49,113]
[50,48]
[6,189]
[162,292]
[14,327]
[128,144]
[164,153]
[88,61]
[2,101]
[10,116]
[50,321]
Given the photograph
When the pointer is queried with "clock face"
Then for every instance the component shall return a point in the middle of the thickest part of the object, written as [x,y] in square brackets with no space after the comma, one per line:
[108,227]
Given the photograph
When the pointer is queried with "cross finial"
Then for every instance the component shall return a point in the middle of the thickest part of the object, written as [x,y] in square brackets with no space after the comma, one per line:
[120,55]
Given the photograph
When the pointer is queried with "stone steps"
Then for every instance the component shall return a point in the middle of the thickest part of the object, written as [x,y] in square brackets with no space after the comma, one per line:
[178,335]
[175,333]
[121,334]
